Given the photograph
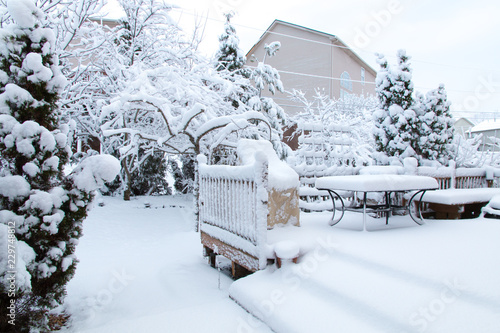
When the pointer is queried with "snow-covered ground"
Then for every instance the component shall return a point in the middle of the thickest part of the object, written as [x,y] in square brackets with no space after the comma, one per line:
[141,270]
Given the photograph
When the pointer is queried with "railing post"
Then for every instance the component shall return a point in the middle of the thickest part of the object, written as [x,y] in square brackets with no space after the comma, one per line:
[490,176]
[200,160]
[262,211]
[453,178]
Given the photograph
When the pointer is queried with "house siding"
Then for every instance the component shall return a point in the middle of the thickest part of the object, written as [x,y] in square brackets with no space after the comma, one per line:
[320,57]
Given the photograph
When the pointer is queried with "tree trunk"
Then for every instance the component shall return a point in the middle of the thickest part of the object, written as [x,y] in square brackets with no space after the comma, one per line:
[127,182]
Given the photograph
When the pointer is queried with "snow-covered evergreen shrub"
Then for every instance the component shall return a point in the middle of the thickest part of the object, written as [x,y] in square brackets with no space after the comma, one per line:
[395,121]
[46,206]
[437,126]
[407,125]
[150,176]
[229,56]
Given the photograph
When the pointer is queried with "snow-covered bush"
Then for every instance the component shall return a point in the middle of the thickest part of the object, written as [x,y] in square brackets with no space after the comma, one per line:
[408,125]
[46,206]
[437,126]
[395,121]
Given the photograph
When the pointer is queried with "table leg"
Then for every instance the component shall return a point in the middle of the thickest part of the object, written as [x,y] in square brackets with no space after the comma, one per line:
[334,194]
[420,219]
[364,211]
[388,205]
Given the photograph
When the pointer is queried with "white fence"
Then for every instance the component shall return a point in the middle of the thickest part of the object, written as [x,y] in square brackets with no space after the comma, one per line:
[233,211]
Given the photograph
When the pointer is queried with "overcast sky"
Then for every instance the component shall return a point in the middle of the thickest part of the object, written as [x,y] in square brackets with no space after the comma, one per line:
[455,42]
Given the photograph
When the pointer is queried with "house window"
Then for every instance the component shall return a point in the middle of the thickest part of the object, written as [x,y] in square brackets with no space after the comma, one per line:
[362,76]
[345,81]
[345,85]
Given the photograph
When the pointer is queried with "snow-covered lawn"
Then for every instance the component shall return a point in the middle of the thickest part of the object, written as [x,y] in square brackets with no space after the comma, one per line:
[141,270]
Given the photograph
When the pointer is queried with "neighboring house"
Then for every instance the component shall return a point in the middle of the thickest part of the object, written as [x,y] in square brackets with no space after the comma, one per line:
[489,130]
[463,126]
[309,60]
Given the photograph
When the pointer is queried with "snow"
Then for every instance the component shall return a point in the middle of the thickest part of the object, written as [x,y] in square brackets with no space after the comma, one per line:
[383,281]
[24,256]
[286,249]
[33,63]
[22,11]
[376,183]
[486,126]
[281,175]
[461,196]
[14,187]
[31,169]
[93,171]
[382,170]
[495,202]
[141,270]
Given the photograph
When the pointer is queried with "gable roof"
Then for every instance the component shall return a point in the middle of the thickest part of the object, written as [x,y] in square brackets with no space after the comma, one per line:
[465,121]
[486,126]
[335,40]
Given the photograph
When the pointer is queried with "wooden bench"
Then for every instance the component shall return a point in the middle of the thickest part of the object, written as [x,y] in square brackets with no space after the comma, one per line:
[457,203]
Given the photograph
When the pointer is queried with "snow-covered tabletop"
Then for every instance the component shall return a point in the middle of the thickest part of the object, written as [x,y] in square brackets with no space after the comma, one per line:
[377,183]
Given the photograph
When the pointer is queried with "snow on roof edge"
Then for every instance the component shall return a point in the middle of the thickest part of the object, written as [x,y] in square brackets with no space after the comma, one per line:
[486,126]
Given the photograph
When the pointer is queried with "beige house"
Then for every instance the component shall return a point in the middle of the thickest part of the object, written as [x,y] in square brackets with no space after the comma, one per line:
[309,60]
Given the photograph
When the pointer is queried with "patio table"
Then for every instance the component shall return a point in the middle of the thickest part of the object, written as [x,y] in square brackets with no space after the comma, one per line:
[378,183]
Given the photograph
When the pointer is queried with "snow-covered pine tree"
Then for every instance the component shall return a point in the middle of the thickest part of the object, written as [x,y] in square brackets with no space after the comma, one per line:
[41,208]
[230,63]
[150,177]
[229,56]
[437,126]
[381,120]
[396,124]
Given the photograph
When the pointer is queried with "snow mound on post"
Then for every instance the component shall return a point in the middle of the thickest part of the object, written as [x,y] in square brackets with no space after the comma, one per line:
[94,171]
[287,249]
[281,175]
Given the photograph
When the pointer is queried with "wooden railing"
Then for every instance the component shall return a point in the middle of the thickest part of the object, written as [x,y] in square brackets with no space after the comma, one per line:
[461,178]
[233,212]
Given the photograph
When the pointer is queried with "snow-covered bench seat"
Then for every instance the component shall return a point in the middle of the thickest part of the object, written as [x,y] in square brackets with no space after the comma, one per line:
[458,203]
[492,209]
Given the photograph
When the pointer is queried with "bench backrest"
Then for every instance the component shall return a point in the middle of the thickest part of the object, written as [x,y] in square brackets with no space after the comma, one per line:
[233,208]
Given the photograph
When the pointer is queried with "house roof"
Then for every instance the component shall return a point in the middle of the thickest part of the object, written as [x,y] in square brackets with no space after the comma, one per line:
[464,120]
[333,38]
[486,126]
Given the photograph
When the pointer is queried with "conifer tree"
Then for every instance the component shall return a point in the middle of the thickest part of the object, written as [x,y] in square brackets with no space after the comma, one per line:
[46,206]
[229,56]
[437,126]
[396,123]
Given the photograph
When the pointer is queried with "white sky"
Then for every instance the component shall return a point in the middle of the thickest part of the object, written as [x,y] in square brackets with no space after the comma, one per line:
[455,42]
